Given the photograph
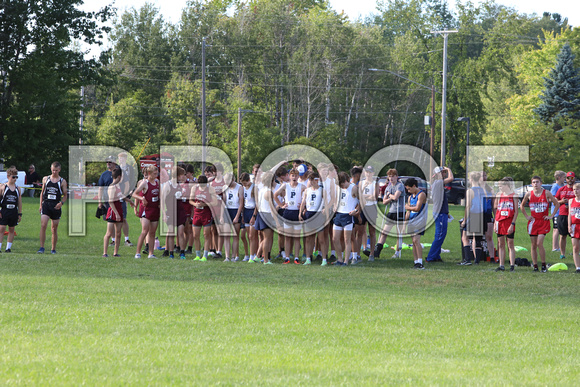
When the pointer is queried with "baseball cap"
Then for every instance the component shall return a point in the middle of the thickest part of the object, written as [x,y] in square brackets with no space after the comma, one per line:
[437,170]
[570,174]
[110,158]
[302,169]
[369,168]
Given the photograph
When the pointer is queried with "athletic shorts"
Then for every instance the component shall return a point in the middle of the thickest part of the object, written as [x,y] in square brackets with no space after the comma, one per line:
[247,215]
[397,217]
[488,217]
[49,210]
[538,226]
[372,214]
[575,231]
[555,222]
[476,225]
[151,213]
[563,225]
[362,221]
[501,228]
[201,219]
[124,205]
[260,224]
[232,212]
[112,218]
[343,220]
[9,219]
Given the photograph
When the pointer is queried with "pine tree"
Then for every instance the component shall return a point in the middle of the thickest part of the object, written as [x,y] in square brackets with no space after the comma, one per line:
[561,98]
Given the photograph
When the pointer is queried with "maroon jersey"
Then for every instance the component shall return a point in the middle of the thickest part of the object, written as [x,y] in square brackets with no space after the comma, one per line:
[567,193]
[151,210]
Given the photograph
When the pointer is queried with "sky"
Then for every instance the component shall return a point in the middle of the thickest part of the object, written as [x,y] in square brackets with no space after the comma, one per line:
[171,9]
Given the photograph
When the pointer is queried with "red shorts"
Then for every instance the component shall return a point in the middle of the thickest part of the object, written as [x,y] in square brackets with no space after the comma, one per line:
[111,214]
[151,213]
[575,231]
[538,226]
[501,226]
[201,218]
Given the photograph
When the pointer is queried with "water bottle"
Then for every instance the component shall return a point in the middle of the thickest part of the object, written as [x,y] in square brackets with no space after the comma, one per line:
[157,246]
[368,242]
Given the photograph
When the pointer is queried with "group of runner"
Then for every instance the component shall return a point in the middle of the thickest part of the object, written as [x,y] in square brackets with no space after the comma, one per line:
[487,212]
[318,212]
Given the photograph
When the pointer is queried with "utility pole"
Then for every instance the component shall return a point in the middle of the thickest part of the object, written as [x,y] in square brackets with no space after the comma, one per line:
[203,118]
[432,139]
[82,115]
[445,34]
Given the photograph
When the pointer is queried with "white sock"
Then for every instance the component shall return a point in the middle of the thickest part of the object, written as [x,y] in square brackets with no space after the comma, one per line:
[113,239]
[323,260]
[333,252]
[126,238]
[416,261]
[8,245]
[420,260]
[284,254]
[0,246]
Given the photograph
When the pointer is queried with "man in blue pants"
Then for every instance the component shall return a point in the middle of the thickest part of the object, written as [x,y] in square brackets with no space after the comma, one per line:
[441,176]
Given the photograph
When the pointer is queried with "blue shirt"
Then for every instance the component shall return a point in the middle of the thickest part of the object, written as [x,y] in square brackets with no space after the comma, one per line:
[554,190]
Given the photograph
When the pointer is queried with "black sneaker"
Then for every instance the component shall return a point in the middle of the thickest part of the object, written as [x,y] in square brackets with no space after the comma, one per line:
[544,269]
[418,266]
[8,251]
[165,253]
[217,255]
[367,252]
[512,268]
[465,263]
[536,269]
[577,271]
[500,268]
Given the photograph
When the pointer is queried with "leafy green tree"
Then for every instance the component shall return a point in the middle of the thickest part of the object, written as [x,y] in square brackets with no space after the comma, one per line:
[561,97]
[41,75]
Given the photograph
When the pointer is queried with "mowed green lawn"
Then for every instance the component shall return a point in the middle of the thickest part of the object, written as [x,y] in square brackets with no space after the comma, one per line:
[77,318]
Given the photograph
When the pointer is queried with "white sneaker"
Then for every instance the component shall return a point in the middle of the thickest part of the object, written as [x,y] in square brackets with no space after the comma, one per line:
[227,259]
[137,256]
[152,257]
[555,249]
[396,255]
[236,259]
[307,261]
[445,251]
[246,259]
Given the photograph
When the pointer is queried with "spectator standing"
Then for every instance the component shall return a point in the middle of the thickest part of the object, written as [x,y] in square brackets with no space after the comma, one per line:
[128,173]
[441,176]
[32,177]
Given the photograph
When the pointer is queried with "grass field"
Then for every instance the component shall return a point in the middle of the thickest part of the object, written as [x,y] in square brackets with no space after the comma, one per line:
[77,318]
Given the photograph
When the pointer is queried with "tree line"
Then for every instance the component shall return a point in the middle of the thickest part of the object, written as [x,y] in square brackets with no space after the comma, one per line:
[299,69]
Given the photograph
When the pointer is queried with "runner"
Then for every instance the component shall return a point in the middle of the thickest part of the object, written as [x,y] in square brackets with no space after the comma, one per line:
[395,196]
[52,198]
[114,215]
[359,223]
[343,221]
[369,194]
[563,196]
[234,200]
[311,208]
[176,212]
[560,181]
[573,225]
[539,221]
[506,214]
[264,212]
[148,193]
[292,193]
[249,234]
[416,216]
[474,220]
[203,198]
[11,204]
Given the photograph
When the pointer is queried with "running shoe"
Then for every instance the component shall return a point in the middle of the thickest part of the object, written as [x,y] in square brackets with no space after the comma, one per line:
[246,259]
[171,255]
[227,259]
[562,256]
[165,253]
[152,256]
[324,263]
[116,255]
[396,255]
[251,261]
[137,256]
[256,259]
[419,266]
[371,259]
[286,261]
[500,268]
[182,256]
[40,251]
[203,259]
[512,268]
[536,269]
[236,259]
[367,252]
[307,261]
[268,263]
[544,269]
[105,255]
[53,251]
[8,251]
[297,261]
[197,258]
[465,263]
[128,243]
